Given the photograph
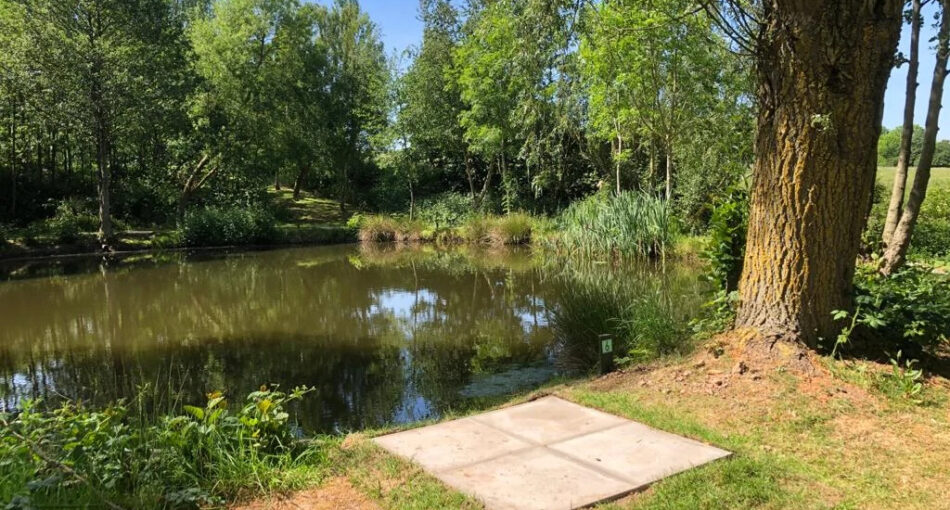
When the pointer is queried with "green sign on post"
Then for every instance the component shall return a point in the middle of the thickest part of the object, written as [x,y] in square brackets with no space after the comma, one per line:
[606,353]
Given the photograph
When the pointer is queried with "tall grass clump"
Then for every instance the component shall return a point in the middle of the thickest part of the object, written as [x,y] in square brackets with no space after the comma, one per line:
[387,229]
[120,457]
[646,312]
[511,229]
[514,228]
[628,224]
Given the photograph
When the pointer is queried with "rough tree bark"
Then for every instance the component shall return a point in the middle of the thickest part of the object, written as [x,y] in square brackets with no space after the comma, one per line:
[822,66]
[900,242]
[907,131]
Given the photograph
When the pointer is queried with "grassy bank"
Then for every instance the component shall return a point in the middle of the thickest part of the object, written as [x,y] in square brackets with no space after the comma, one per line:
[841,438]
[603,225]
[281,221]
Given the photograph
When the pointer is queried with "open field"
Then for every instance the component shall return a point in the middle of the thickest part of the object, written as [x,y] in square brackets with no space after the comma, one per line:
[939,177]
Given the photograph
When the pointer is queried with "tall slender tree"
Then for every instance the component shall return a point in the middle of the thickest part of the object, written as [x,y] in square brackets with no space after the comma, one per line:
[900,242]
[907,131]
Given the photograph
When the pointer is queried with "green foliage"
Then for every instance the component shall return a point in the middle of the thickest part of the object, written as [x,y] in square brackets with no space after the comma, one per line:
[647,315]
[226,226]
[910,305]
[69,222]
[514,228]
[888,146]
[932,234]
[446,209]
[194,459]
[377,229]
[629,224]
[727,234]
[904,380]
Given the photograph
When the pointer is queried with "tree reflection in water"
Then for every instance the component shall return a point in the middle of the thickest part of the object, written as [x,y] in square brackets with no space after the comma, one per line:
[386,335]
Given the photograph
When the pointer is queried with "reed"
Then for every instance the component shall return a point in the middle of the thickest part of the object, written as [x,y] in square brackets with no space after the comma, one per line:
[628,224]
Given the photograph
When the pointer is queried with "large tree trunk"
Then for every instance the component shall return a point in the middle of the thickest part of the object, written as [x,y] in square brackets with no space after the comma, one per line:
[822,69]
[907,131]
[900,242]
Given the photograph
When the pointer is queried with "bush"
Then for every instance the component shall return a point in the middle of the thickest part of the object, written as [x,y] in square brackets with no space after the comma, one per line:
[69,222]
[630,223]
[912,304]
[214,226]
[931,234]
[446,210]
[727,235]
[194,459]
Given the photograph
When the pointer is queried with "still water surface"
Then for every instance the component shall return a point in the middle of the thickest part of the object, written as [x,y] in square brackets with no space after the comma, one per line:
[384,335]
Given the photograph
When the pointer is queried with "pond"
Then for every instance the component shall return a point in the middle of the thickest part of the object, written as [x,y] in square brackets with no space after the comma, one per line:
[385,335]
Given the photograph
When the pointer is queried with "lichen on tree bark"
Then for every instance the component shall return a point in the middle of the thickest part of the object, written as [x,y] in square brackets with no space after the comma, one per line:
[822,68]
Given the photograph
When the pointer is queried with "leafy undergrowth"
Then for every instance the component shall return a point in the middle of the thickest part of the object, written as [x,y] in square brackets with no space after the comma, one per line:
[835,439]
[121,457]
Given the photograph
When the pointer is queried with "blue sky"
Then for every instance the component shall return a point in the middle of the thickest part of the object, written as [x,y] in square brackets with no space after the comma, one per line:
[398,21]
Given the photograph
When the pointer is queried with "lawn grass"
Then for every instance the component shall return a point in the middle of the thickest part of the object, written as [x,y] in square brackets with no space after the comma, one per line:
[831,440]
[939,177]
[309,209]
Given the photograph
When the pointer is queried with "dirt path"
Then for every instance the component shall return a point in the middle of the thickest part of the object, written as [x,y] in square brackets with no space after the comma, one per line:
[335,494]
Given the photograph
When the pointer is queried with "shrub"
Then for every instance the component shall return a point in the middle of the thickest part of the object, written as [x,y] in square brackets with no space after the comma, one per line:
[727,235]
[196,458]
[446,210]
[932,233]
[215,226]
[69,222]
[630,223]
[912,304]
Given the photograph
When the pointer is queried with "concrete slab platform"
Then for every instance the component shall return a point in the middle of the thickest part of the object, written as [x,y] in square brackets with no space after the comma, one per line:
[639,454]
[549,419]
[451,444]
[536,479]
[547,454]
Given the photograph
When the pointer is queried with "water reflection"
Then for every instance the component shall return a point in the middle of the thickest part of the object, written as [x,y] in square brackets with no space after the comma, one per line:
[383,336]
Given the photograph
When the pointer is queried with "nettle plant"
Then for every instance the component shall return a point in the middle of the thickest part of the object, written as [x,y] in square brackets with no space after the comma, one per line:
[116,454]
